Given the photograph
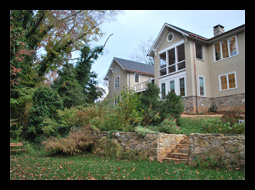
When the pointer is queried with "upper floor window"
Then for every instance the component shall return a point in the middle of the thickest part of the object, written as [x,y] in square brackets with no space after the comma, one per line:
[170,37]
[172,60]
[225,48]
[116,82]
[137,77]
[199,51]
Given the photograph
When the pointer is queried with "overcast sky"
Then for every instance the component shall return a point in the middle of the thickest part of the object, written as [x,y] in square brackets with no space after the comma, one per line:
[133,26]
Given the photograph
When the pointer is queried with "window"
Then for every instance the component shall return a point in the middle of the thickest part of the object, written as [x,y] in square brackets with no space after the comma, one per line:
[181,57]
[225,48]
[228,81]
[116,82]
[232,46]
[224,45]
[172,86]
[137,77]
[163,90]
[171,60]
[174,58]
[162,60]
[182,87]
[201,86]
[217,51]
[170,37]
[199,51]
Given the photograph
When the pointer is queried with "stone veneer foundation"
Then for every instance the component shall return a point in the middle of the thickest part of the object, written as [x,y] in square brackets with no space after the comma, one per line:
[223,103]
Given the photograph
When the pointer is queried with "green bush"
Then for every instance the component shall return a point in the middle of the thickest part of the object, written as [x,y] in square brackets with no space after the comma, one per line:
[216,125]
[129,108]
[172,104]
[150,103]
[102,117]
[232,117]
[143,131]
[169,126]
[46,102]
[213,107]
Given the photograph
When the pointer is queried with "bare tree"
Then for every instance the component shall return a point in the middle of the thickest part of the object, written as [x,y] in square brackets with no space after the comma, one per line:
[140,54]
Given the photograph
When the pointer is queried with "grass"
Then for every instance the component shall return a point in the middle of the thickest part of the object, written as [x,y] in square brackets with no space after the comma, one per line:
[192,124]
[92,167]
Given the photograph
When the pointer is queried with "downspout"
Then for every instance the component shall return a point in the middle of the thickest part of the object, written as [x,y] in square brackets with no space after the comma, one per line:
[129,80]
[195,74]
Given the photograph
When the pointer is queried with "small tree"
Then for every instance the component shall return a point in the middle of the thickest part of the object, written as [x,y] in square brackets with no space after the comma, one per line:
[130,108]
[150,104]
[46,101]
[172,104]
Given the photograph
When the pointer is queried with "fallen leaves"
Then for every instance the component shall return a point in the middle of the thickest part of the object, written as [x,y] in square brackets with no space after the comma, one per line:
[98,168]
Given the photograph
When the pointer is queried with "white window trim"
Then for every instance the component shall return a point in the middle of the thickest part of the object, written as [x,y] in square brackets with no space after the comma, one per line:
[168,35]
[176,80]
[138,77]
[214,58]
[226,74]
[176,57]
[199,86]
[114,82]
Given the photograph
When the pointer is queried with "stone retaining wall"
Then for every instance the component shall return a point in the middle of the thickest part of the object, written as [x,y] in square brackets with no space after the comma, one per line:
[221,149]
[204,149]
[154,146]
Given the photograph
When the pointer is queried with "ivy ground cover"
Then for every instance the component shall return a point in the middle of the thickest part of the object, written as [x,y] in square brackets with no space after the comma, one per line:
[91,167]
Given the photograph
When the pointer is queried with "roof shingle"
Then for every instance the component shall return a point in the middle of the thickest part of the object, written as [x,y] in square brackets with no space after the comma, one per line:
[134,66]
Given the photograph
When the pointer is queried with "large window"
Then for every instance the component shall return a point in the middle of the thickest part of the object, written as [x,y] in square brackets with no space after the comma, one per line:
[172,60]
[162,60]
[228,81]
[116,82]
[225,48]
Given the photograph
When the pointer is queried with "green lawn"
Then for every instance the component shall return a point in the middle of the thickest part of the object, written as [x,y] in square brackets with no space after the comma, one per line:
[192,124]
[89,167]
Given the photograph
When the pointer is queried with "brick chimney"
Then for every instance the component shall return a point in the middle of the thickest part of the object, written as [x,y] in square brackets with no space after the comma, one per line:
[218,29]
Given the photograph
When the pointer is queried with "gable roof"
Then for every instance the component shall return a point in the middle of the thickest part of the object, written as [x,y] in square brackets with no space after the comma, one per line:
[133,67]
[188,34]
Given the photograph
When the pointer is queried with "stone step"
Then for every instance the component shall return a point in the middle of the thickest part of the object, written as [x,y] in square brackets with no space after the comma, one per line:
[177,160]
[180,150]
[178,155]
[184,142]
[182,146]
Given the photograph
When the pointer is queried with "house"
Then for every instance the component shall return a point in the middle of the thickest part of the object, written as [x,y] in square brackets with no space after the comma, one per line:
[203,71]
[124,72]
